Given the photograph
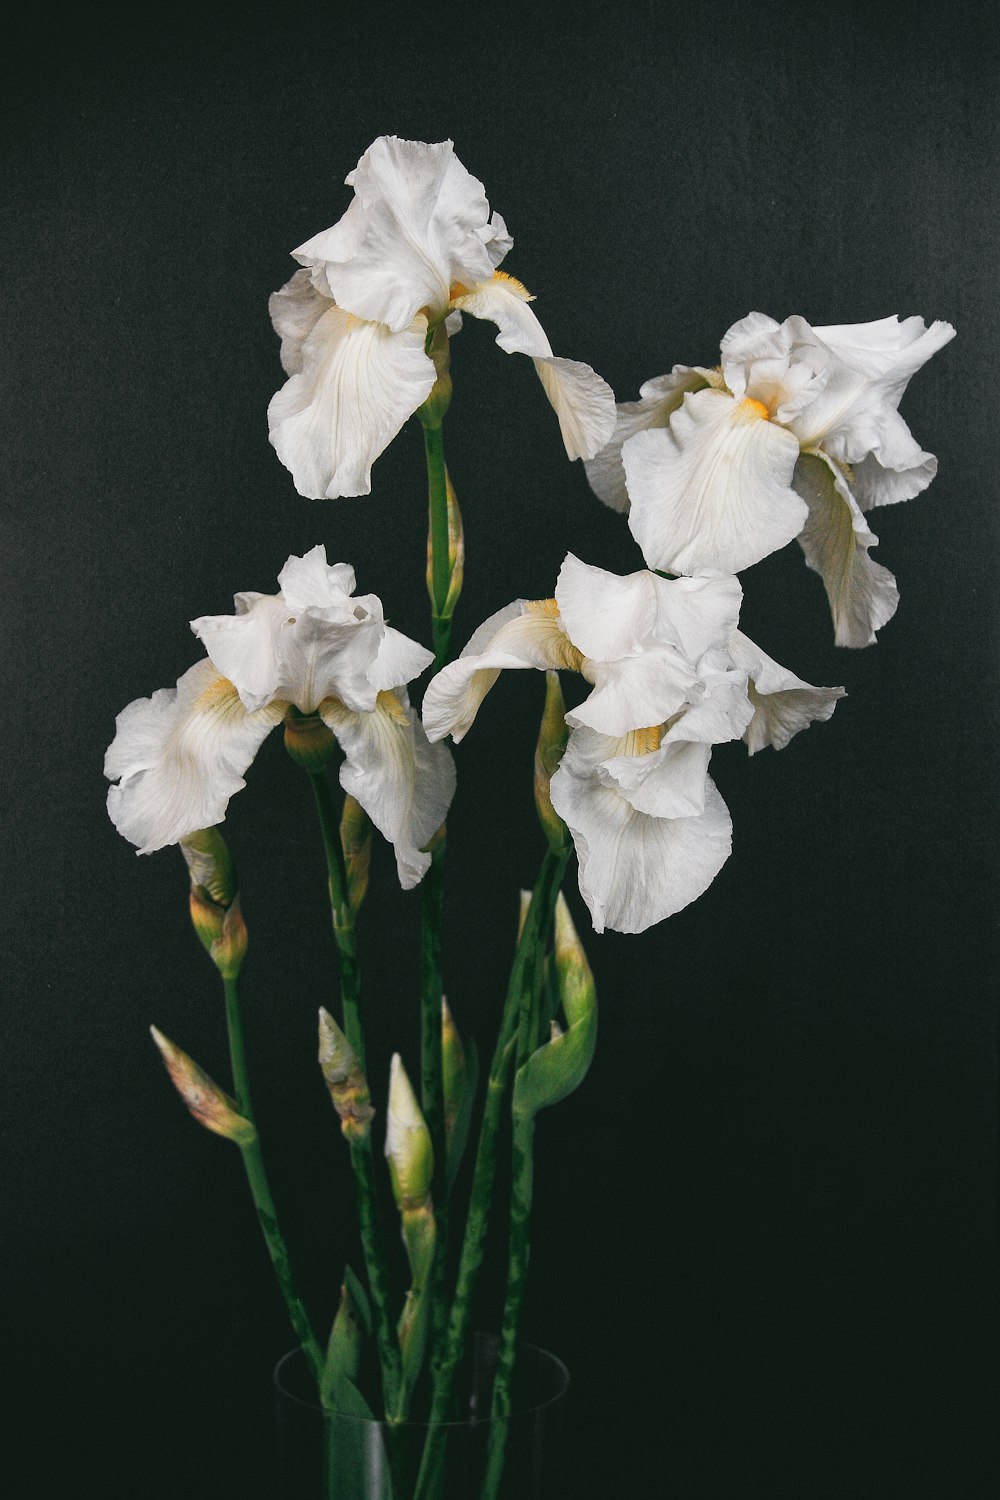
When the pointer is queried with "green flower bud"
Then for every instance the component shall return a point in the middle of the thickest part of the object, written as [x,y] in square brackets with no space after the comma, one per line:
[456,555]
[308,741]
[552,737]
[346,1082]
[408,1146]
[561,1064]
[356,842]
[214,901]
[209,1104]
[453,1068]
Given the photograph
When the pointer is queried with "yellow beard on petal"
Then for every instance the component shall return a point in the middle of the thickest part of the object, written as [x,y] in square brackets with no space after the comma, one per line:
[750,410]
[642,741]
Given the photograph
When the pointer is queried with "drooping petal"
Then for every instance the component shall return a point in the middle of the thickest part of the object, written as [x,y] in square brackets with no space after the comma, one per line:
[670,782]
[722,712]
[660,399]
[896,469]
[419,223]
[295,310]
[635,869]
[711,493]
[404,784]
[606,615]
[782,703]
[836,540]
[180,755]
[527,633]
[583,402]
[357,385]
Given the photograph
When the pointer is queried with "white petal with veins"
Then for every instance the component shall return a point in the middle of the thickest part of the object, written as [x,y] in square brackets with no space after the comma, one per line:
[782,703]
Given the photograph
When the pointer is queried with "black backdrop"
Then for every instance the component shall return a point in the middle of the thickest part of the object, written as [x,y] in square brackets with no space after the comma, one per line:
[762,1236]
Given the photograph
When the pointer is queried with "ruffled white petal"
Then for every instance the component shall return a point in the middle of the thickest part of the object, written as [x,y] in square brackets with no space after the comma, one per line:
[782,703]
[634,869]
[667,783]
[836,541]
[583,402]
[295,310]
[524,634]
[697,614]
[721,713]
[711,493]
[404,784]
[399,660]
[637,691]
[311,582]
[606,615]
[875,483]
[357,385]
[660,399]
[419,223]
[180,755]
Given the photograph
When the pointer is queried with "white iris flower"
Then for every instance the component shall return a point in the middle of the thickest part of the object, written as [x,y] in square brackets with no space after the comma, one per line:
[670,675]
[796,434]
[316,648]
[417,245]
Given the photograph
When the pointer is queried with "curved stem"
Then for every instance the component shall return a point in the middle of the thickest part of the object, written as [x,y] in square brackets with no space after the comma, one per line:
[376,1263]
[536,926]
[260,1191]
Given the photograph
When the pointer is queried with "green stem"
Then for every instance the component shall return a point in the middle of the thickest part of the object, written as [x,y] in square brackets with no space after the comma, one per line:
[431,993]
[260,1190]
[536,927]
[376,1262]
[440,571]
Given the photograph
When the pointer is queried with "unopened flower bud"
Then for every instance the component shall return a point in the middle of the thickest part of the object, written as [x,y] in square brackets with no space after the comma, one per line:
[308,741]
[453,1070]
[356,842]
[209,1104]
[576,980]
[560,1065]
[552,737]
[215,904]
[456,554]
[408,1146]
[346,1082]
[524,904]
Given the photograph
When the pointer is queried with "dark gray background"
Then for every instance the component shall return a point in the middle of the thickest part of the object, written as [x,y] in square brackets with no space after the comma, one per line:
[763,1227]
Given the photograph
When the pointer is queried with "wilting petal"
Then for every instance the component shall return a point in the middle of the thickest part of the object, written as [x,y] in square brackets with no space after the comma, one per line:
[782,703]
[710,493]
[660,399]
[404,784]
[419,223]
[637,691]
[635,869]
[524,634]
[295,310]
[606,615]
[583,402]
[357,385]
[836,539]
[180,755]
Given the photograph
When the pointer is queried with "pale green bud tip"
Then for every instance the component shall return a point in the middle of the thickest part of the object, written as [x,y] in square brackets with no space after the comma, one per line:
[210,865]
[552,737]
[522,911]
[407,1142]
[346,1082]
[209,1104]
[453,1067]
[356,842]
[576,981]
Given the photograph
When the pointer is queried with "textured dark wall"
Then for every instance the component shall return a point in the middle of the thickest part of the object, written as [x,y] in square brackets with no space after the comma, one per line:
[763,1225]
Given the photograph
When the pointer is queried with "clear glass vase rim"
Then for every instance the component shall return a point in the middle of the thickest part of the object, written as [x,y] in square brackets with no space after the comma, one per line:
[560,1370]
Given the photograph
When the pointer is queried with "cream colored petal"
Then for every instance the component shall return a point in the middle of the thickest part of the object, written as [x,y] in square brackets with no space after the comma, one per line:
[583,402]
[660,399]
[180,755]
[836,541]
[635,869]
[404,784]
[782,703]
[524,634]
[295,310]
[711,493]
[358,384]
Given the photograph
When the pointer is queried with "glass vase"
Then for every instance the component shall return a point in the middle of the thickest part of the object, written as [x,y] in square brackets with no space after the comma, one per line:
[334,1456]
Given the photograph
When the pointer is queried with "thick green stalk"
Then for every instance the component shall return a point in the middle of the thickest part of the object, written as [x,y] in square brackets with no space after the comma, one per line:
[376,1263]
[431,992]
[535,930]
[260,1190]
